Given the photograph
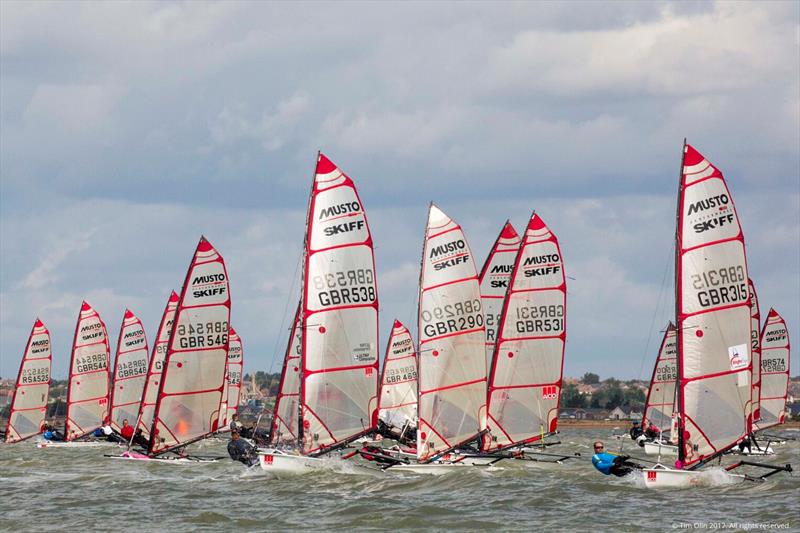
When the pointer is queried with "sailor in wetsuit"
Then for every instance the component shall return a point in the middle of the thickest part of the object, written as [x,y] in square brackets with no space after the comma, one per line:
[51,433]
[242,451]
[608,463]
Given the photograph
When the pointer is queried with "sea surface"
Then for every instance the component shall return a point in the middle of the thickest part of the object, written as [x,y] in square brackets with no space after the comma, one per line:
[80,489]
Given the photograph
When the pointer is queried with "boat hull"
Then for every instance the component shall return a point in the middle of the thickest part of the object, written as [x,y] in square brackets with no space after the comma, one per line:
[653,448]
[283,463]
[662,477]
[75,444]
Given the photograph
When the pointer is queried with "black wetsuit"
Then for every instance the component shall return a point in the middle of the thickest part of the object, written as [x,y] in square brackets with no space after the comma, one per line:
[241,451]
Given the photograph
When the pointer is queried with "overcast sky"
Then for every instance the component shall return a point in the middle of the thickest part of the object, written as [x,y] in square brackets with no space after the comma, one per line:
[130,129]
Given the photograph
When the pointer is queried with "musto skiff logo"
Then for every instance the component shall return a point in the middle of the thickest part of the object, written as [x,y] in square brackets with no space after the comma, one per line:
[542,265]
[710,213]
[449,254]
[208,285]
[344,210]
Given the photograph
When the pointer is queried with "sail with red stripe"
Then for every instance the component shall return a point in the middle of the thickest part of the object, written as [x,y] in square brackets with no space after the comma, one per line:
[659,407]
[713,314]
[493,280]
[29,404]
[775,349]
[130,371]
[89,376]
[286,414]
[452,354]
[525,379]
[397,405]
[755,346]
[187,408]
[153,381]
[234,376]
[339,384]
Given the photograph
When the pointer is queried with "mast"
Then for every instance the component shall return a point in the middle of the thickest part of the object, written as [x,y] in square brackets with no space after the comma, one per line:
[678,324]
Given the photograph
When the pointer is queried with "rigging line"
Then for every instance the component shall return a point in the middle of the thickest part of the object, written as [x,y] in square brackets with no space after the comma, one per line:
[655,314]
[286,311]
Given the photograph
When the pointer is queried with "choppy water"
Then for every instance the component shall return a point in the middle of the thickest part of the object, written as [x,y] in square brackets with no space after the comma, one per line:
[55,489]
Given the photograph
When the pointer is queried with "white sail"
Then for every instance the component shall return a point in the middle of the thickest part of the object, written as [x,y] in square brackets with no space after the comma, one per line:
[755,346]
[397,406]
[774,371]
[130,371]
[29,404]
[153,381]
[339,384]
[286,414]
[713,312]
[188,402]
[452,355]
[88,389]
[659,407]
[234,378]
[525,379]
[493,280]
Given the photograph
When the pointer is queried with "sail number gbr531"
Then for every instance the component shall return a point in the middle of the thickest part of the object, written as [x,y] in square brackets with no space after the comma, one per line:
[202,335]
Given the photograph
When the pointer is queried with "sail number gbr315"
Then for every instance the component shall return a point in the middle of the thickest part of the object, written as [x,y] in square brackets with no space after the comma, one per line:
[202,335]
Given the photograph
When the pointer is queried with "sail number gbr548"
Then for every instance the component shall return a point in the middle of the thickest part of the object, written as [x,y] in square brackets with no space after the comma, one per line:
[202,335]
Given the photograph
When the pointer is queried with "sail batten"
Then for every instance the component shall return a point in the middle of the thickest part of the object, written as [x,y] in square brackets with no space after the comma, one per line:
[775,363]
[527,364]
[192,382]
[29,403]
[130,371]
[452,339]
[89,376]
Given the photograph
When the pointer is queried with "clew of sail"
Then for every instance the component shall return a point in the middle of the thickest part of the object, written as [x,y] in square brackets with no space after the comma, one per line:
[659,407]
[339,383]
[130,371]
[526,374]
[29,404]
[234,372]
[493,280]
[755,346]
[397,405]
[156,367]
[713,314]
[187,408]
[452,354]
[774,371]
[88,389]
[285,416]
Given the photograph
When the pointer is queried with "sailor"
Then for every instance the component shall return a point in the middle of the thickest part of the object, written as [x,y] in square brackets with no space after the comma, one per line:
[109,434]
[51,433]
[240,450]
[608,463]
[237,426]
[126,431]
[746,443]
[140,440]
[651,432]
[635,431]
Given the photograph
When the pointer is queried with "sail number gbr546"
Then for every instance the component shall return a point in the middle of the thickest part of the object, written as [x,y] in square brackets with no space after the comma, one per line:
[202,335]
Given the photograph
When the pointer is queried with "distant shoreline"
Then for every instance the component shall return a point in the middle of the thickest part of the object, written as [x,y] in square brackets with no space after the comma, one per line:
[626,424]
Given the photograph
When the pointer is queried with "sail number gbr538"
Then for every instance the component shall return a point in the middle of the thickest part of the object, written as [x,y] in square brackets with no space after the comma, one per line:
[202,335]
[345,287]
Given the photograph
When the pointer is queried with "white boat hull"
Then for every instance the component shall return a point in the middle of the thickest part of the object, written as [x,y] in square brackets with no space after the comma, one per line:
[75,444]
[662,477]
[653,448]
[279,462]
[754,451]
[436,469]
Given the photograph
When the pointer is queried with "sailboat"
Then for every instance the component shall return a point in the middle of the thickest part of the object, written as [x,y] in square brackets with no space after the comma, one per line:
[130,371]
[755,343]
[29,404]
[775,348]
[283,430]
[339,323]
[659,407]
[152,384]
[192,381]
[493,281]
[712,307]
[233,380]
[397,401]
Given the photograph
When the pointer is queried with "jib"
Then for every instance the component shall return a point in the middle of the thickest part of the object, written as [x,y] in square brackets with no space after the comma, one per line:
[716,222]
[208,278]
[715,201]
[451,262]
[344,228]
[341,209]
[446,248]
[209,292]
[541,259]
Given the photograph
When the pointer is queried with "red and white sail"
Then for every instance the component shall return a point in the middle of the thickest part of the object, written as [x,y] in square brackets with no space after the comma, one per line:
[525,379]
[234,378]
[659,407]
[713,314]
[286,415]
[755,347]
[130,371]
[339,384]
[156,367]
[190,393]
[452,354]
[89,376]
[775,350]
[493,279]
[29,404]
[397,406]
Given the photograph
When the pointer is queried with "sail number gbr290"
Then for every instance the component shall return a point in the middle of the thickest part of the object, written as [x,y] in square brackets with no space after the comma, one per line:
[452,318]
[202,335]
